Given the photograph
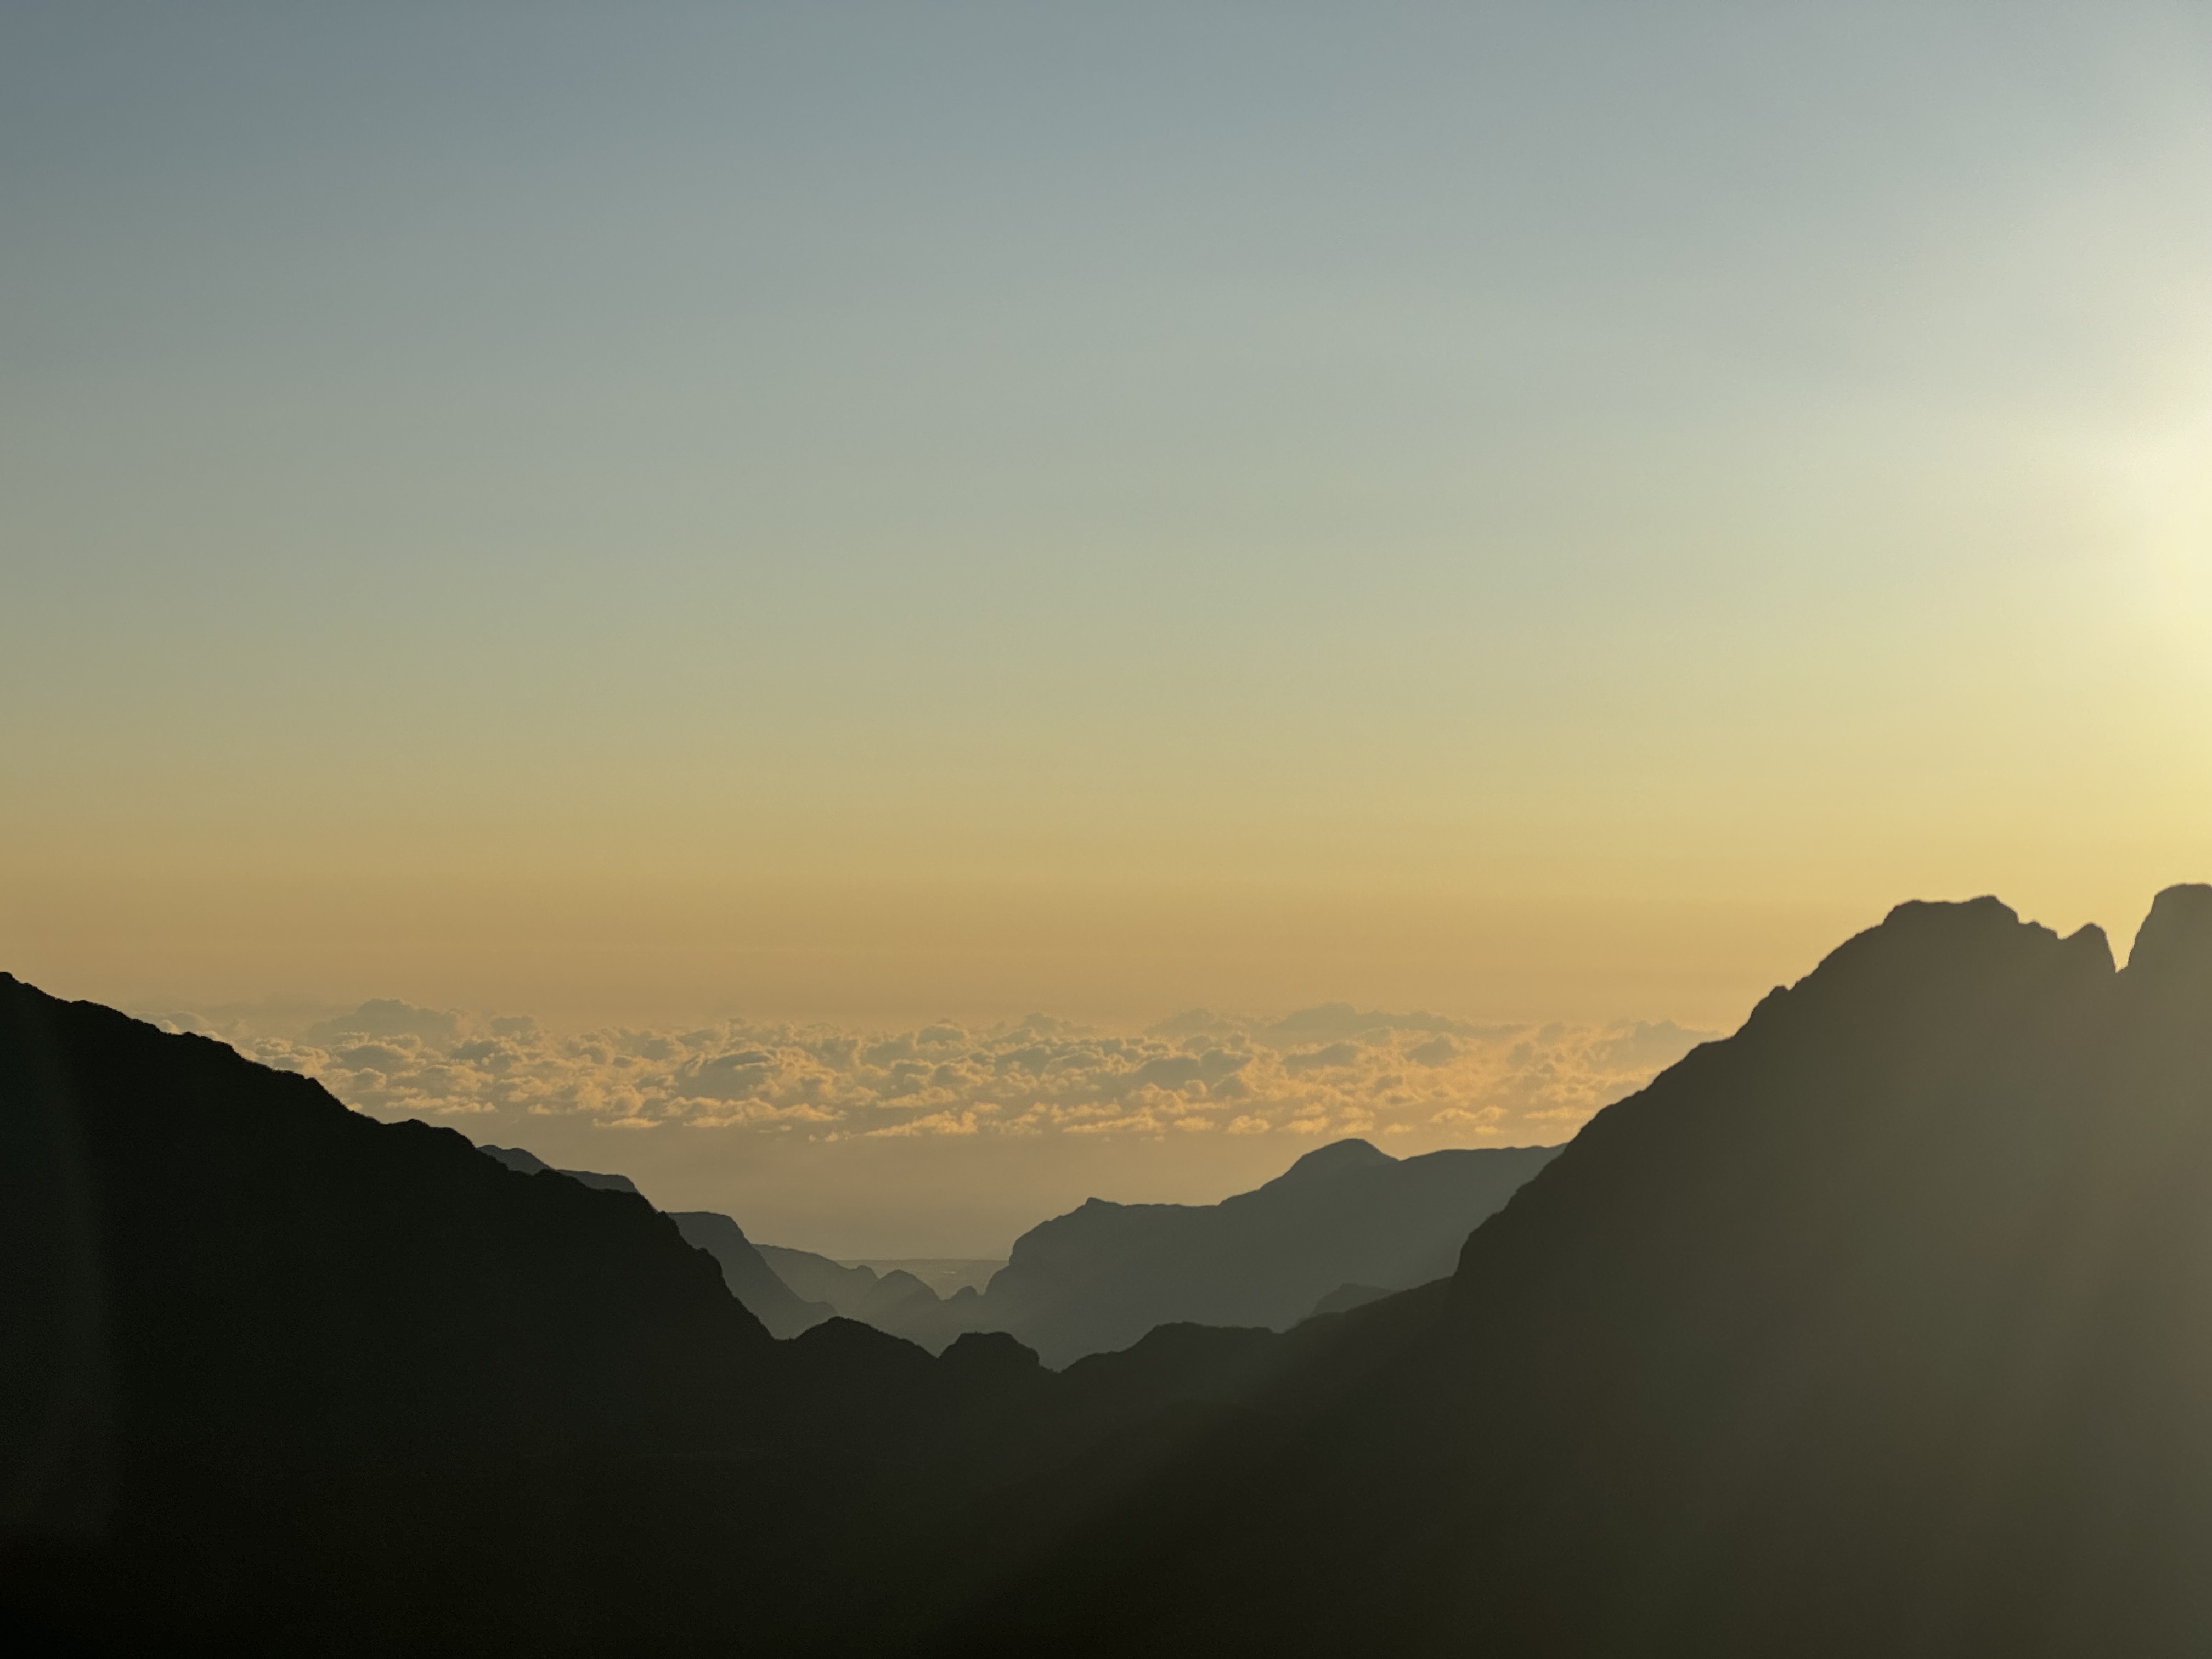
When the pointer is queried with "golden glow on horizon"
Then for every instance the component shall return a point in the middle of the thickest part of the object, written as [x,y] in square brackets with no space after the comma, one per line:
[815,541]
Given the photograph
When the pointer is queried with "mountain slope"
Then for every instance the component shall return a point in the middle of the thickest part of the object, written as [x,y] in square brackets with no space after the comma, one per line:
[1877,1327]
[750,1278]
[285,1378]
[528,1162]
[239,1225]
[896,1301]
[281,1378]
[1101,1276]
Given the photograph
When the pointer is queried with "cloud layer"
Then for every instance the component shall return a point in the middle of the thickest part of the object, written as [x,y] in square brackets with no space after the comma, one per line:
[1319,1073]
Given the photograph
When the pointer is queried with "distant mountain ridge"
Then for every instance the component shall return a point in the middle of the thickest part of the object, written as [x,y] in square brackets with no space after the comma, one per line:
[946,1275]
[526,1163]
[1345,1223]
[749,1276]
[1345,1218]
[896,1301]
[1099,1277]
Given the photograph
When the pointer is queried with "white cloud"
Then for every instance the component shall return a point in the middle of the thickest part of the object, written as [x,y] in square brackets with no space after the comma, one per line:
[1332,1070]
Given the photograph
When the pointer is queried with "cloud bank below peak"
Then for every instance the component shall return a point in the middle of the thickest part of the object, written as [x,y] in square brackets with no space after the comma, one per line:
[1328,1071]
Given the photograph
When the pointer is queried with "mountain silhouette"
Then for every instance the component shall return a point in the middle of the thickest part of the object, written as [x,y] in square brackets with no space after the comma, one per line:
[1346,1216]
[1346,1224]
[1878,1326]
[244,1216]
[268,1359]
[280,1377]
[750,1279]
[946,1275]
[896,1301]
[1110,1272]
[530,1164]
[1344,1297]
[1101,1276]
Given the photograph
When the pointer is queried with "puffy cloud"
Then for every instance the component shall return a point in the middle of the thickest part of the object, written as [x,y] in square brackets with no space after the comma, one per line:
[1334,1070]
[1336,1056]
[1341,1020]
[386,1017]
[1437,1051]
[937,1123]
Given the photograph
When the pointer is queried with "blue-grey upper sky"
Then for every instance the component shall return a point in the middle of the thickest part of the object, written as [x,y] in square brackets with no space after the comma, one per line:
[893,510]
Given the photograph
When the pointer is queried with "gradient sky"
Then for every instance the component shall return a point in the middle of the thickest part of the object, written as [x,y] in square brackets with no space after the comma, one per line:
[888,513]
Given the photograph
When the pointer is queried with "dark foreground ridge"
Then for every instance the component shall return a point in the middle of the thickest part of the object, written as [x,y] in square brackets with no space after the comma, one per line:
[1879,1328]
[281,1378]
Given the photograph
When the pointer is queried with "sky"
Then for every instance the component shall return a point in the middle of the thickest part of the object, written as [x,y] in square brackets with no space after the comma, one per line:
[760,517]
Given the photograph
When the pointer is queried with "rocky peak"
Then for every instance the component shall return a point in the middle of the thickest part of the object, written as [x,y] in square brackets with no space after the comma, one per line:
[2174,943]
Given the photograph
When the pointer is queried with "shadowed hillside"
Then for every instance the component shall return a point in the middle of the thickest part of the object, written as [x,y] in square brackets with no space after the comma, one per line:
[272,1363]
[1878,1328]
[527,1162]
[745,1270]
[337,1281]
[282,1378]
[749,1277]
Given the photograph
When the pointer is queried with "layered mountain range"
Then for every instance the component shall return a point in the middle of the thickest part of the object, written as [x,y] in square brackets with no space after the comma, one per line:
[1101,1276]
[1346,1223]
[1878,1327]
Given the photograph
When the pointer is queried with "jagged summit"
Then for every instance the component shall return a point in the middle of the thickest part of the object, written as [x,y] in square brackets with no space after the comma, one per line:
[1987,910]
[1923,956]
[1986,921]
[2175,939]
